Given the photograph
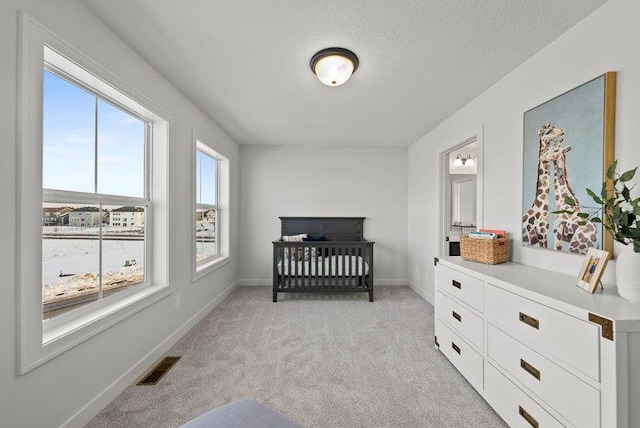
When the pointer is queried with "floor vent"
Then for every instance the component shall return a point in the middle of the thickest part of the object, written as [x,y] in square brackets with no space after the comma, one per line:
[158,371]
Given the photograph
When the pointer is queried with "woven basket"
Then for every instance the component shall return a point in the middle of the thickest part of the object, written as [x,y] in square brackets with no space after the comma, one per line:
[489,251]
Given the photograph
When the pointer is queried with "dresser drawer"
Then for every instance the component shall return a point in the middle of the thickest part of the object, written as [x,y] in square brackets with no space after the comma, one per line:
[573,341]
[561,390]
[461,320]
[461,286]
[513,405]
[462,356]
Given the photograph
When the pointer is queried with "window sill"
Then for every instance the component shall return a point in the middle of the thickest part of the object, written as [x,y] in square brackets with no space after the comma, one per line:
[212,266]
[62,336]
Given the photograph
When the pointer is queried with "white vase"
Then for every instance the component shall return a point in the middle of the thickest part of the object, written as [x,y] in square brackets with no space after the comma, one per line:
[628,274]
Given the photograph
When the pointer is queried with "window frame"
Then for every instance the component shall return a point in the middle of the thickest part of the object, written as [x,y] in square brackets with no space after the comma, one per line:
[101,199]
[206,266]
[38,340]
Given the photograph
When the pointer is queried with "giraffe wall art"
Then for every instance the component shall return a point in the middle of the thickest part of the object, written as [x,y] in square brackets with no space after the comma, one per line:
[567,145]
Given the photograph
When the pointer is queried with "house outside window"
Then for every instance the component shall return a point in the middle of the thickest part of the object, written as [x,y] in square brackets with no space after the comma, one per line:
[84,216]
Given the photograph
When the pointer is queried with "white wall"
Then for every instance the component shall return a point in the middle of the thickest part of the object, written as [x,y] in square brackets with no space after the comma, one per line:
[78,383]
[332,181]
[606,40]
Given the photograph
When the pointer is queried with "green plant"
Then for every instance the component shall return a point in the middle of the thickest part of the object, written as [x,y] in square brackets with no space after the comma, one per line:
[621,213]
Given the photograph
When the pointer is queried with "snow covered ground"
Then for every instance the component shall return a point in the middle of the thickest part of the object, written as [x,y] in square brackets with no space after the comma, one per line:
[78,261]
[81,256]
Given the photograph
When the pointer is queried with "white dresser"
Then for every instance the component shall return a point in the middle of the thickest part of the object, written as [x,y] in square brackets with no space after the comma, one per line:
[541,351]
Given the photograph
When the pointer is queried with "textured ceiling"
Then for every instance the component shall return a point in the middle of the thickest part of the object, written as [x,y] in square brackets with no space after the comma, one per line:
[245,63]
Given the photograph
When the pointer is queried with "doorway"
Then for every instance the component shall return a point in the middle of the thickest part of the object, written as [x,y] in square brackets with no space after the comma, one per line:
[461,197]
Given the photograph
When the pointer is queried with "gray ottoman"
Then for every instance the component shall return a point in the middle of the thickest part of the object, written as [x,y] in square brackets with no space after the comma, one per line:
[241,414]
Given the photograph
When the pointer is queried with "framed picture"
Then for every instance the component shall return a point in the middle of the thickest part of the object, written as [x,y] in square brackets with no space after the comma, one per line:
[592,269]
[568,146]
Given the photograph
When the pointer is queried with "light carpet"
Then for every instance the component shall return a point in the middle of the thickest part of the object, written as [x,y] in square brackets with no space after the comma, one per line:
[321,360]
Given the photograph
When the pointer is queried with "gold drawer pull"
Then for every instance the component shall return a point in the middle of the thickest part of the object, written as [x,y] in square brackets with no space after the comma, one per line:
[530,321]
[456,315]
[455,348]
[527,417]
[530,369]
[456,284]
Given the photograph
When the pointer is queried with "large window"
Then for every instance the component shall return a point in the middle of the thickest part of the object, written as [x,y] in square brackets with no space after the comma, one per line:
[211,220]
[94,170]
[94,198]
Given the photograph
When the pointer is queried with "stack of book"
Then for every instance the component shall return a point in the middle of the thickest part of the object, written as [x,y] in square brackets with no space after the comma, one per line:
[487,234]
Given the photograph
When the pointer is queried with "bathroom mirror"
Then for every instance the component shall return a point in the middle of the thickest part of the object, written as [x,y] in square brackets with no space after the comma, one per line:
[463,200]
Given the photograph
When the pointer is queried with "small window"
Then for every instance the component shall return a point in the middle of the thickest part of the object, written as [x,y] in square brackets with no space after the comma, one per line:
[211,220]
[207,244]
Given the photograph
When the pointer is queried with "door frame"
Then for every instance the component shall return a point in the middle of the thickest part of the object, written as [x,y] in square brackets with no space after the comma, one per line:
[444,186]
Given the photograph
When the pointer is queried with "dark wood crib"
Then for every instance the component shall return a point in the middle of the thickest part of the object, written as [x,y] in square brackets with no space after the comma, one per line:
[335,259]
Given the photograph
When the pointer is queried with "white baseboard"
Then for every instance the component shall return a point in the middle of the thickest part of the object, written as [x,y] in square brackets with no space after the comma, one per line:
[91,409]
[419,291]
[393,282]
[255,282]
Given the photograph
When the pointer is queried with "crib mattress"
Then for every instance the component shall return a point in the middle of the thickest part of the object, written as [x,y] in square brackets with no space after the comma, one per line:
[325,266]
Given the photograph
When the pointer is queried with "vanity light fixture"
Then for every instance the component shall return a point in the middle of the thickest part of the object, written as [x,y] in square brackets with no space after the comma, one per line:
[334,66]
[464,161]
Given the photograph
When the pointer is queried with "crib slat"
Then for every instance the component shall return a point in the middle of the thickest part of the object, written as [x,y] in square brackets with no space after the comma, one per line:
[352,260]
[323,267]
[351,254]
[290,271]
[354,268]
[360,267]
[318,265]
[331,270]
[341,271]
[336,281]
[339,268]
[347,267]
[307,266]
[322,262]
[326,266]
[304,263]
[354,265]
[297,268]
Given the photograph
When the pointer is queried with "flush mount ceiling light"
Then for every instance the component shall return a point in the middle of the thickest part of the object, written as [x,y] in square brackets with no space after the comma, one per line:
[462,161]
[334,66]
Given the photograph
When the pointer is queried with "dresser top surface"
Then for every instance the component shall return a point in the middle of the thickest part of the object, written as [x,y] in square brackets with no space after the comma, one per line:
[552,288]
